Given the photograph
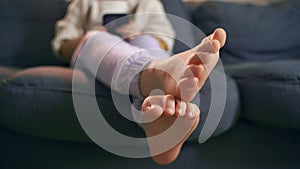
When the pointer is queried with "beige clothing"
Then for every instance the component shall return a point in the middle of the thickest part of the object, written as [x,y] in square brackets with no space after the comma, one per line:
[85,15]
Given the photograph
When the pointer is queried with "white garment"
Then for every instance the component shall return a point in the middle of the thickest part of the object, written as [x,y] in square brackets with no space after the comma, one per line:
[85,15]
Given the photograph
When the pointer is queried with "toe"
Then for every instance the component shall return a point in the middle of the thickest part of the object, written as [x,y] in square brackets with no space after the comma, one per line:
[213,42]
[180,108]
[152,108]
[220,35]
[155,100]
[170,105]
[152,113]
[191,111]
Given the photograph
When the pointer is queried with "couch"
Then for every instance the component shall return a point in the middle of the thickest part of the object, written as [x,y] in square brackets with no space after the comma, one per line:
[261,118]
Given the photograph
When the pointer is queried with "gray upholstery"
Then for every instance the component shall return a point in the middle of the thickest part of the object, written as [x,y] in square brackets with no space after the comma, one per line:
[45,107]
[37,101]
[27,28]
[255,33]
[244,147]
[270,92]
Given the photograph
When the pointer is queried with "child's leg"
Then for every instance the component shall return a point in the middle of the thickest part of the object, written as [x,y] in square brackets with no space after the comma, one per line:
[115,62]
[176,118]
[119,65]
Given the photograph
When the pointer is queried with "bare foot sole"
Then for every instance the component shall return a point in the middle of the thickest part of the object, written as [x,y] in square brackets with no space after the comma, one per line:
[175,123]
[184,74]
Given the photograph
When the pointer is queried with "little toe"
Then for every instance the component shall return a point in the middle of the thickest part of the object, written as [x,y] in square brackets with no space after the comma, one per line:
[158,100]
[191,112]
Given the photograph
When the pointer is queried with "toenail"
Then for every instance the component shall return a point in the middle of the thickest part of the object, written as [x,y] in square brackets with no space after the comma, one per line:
[170,111]
[180,112]
[191,114]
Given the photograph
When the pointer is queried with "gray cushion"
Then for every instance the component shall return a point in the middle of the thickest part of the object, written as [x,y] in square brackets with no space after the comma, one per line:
[270,92]
[244,147]
[255,33]
[231,112]
[38,101]
[27,27]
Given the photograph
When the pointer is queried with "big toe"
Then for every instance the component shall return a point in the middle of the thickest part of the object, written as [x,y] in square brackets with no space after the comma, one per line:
[220,35]
[151,113]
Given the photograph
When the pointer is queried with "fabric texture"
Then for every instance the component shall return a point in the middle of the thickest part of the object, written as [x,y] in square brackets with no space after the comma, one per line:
[255,33]
[270,92]
[26,30]
[45,106]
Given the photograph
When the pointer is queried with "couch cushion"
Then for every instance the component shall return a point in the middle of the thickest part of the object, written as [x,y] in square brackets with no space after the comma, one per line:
[38,101]
[231,112]
[255,33]
[27,28]
[270,92]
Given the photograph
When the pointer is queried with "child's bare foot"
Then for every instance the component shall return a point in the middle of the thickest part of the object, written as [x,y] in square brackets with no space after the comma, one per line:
[184,74]
[172,122]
